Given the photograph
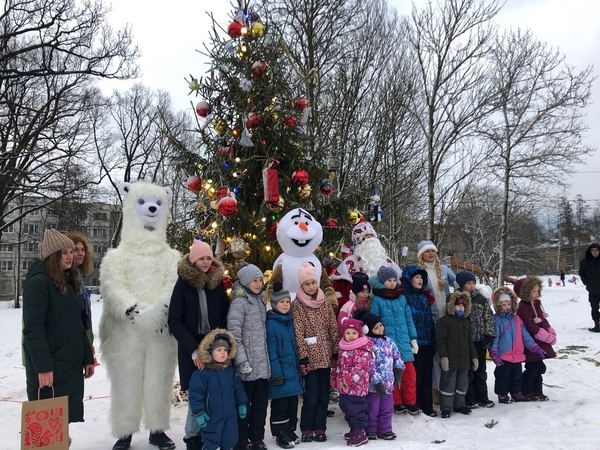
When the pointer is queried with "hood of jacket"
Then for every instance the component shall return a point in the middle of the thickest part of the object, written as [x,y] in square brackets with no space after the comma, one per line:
[204,347]
[588,251]
[453,297]
[513,299]
[198,279]
[528,284]
[408,273]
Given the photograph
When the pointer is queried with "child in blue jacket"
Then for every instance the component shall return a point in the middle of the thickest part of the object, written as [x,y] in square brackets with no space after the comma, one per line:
[508,349]
[216,394]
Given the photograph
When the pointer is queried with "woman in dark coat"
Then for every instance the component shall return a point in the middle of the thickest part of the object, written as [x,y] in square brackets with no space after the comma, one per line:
[589,271]
[199,304]
[55,345]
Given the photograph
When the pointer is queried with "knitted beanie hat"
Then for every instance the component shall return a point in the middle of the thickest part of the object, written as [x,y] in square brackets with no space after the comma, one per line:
[369,319]
[278,293]
[463,277]
[360,282]
[248,273]
[307,272]
[221,340]
[198,250]
[385,273]
[348,323]
[54,241]
[423,246]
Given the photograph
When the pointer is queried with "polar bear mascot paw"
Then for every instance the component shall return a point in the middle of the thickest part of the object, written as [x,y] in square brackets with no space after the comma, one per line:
[136,282]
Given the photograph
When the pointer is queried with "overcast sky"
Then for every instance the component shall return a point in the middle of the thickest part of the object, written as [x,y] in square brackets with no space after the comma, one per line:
[169,35]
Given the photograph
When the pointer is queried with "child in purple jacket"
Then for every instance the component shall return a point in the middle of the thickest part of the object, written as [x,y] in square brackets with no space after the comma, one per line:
[350,377]
[386,372]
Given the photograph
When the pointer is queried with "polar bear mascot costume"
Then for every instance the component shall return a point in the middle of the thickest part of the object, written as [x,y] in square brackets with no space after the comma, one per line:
[136,281]
[299,234]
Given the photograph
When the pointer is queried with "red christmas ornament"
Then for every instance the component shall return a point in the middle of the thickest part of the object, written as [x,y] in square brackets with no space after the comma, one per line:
[194,184]
[290,121]
[227,206]
[300,177]
[222,192]
[301,104]
[327,187]
[227,281]
[273,230]
[253,120]
[203,108]
[258,68]
[331,222]
[271,183]
[234,30]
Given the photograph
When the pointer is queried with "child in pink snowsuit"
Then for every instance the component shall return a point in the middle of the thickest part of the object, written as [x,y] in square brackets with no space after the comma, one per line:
[350,378]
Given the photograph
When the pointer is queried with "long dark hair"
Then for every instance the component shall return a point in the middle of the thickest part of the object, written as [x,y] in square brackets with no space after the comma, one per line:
[59,277]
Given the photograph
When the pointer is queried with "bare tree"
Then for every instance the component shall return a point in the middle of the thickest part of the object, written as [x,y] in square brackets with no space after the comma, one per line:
[51,51]
[536,135]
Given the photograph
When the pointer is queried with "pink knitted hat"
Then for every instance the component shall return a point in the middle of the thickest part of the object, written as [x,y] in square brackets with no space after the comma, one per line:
[198,250]
[355,324]
[307,272]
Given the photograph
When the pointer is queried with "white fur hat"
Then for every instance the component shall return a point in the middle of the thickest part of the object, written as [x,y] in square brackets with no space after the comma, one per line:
[423,246]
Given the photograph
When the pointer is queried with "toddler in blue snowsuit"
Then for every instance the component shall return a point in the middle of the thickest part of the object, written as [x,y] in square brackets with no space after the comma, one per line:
[216,394]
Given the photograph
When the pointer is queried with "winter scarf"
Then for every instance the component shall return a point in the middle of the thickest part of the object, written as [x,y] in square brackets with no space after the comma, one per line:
[389,294]
[358,343]
[308,300]
[203,325]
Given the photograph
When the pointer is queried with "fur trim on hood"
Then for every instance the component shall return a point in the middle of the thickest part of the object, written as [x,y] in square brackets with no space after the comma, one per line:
[453,297]
[514,300]
[198,279]
[203,348]
[528,284]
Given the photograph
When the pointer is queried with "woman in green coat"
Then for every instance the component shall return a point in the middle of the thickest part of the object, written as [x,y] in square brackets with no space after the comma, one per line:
[57,351]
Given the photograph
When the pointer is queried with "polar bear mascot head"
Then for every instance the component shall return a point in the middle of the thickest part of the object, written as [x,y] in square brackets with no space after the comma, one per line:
[299,233]
[145,213]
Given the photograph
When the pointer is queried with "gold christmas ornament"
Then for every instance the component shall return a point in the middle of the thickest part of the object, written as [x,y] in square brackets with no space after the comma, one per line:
[276,207]
[258,30]
[238,248]
[304,191]
[220,126]
[353,216]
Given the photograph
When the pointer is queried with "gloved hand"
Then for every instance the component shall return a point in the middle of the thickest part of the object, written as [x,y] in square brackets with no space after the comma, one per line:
[495,355]
[537,349]
[488,341]
[242,410]
[445,363]
[397,377]
[245,368]
[475,363]
[304,366]
[380,388]
[414,346]
[278,381]
[202,419]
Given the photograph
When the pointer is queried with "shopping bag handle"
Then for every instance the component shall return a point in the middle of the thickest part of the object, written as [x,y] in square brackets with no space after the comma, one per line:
[39,390]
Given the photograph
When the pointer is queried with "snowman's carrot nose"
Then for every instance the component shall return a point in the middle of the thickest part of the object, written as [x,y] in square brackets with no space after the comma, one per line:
[303,226]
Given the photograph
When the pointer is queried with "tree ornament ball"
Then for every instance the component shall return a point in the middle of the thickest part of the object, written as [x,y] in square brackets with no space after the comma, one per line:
[353,216]
[238,248]
[301,104]
[203,108]
[258,68]
[290,121]
[228,206]
[220,126]
[222,191]
[276,207]
[300,177]
[253,120]
[331,222]
[254,16]
[234,30]
[257,30]
[227,281]
[194,184]
[304,191]
[326,187]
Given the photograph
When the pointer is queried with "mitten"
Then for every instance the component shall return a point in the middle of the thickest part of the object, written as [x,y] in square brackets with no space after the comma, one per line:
[414,346]
[475,363]
[242,410]
[245,368]
[278,381]
[380,388]
[304,366]
[397,377]
[202,419]
[445,363]
[537,349]
[495,355]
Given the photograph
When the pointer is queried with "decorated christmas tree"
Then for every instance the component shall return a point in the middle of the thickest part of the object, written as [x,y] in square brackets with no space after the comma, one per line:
[253,162]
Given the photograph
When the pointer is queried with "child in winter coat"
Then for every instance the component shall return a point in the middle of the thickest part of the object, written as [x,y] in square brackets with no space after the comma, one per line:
[246,321]
[359,297]
[285,383]
[508,348]
[216,395]
[482,327]
[389,304]
[386,372]
[316,331]
[532,313]
[454,341]
[350,377]
[414,280]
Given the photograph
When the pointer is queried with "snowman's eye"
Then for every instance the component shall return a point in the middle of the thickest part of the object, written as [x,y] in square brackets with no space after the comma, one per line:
[306,223]
[296,222]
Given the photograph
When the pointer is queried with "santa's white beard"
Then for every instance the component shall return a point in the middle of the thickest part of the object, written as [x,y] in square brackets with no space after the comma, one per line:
[372,255]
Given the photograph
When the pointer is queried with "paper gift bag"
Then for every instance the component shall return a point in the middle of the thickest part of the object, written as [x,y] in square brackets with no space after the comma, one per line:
[45,423]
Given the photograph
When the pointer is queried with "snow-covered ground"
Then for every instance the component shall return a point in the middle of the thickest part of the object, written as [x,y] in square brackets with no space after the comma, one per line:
[570,420]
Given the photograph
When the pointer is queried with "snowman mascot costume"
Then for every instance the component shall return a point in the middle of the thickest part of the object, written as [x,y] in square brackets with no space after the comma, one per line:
[136,281]
[299,234]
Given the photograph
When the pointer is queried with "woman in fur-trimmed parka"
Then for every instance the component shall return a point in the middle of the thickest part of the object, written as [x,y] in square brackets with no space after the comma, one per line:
[216,393]
[532,313]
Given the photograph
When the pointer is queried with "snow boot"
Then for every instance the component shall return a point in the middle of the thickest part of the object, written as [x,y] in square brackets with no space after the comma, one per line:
[504,399]
[284,441]
[463,410]
[445,414]
[413,410]
[349,434]
[359,438]
[541,397]
[161,440]
[294,437]
[389,436]
[596,328]
[123,443]
[487,404]
[518,397]
[307,436]
[372,435]
[399,409]
[320,436]
[193,443]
